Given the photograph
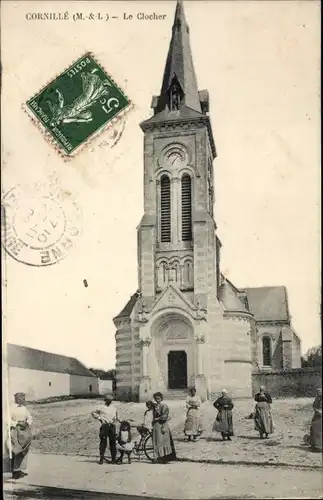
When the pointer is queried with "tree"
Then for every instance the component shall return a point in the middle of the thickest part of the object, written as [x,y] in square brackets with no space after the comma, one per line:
[312,358]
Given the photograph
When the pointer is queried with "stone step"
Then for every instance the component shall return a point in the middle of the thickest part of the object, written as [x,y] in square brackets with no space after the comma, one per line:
[175,394]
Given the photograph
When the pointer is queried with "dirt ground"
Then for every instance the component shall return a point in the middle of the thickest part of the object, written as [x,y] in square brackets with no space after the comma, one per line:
[57,477]
[67,428]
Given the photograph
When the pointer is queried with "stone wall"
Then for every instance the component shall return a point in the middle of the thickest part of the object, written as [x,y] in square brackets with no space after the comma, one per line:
[299,382]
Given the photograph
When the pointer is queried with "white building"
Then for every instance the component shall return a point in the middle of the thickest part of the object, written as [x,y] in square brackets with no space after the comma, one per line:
[42,375]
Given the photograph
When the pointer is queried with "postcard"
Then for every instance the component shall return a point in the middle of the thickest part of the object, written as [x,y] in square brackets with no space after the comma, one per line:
[160,249]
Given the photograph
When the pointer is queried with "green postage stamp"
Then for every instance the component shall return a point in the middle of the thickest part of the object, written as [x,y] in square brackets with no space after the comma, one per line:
[77,105]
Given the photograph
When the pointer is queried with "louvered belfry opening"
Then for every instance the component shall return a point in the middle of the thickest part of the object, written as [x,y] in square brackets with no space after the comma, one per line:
[165,210]
[186,208]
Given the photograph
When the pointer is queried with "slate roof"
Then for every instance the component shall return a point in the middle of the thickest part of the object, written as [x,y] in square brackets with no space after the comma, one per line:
[184,113]
[268,303]
[34,359]
[127,310]
[179,67]
[179,62]
[229,297]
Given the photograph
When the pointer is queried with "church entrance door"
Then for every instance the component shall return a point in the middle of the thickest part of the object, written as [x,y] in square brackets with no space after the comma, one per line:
[177,370]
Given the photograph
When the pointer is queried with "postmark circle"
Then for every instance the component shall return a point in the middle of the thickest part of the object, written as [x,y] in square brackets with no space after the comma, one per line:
[39,227]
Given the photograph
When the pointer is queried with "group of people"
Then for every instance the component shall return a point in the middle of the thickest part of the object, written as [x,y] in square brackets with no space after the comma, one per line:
[156,418]
[157,415]
[223,422]
[164,450]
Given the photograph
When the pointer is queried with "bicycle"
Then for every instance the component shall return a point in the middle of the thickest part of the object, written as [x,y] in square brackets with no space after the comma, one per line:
[145,444]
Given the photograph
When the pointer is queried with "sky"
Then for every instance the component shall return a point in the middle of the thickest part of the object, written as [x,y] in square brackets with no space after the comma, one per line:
[260,62]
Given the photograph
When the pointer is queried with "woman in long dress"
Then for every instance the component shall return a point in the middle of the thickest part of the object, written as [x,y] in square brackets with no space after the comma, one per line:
[164,449]
[193,424]
[315,437]
[263,418]
[223,422]
[20,436]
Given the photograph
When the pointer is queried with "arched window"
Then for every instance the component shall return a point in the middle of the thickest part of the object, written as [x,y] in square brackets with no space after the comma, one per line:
[165,209]
[266,351]
[186,208]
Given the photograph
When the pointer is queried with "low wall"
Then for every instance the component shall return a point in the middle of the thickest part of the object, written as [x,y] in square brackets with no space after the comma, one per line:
[105,387]
[82,385]
[298,382]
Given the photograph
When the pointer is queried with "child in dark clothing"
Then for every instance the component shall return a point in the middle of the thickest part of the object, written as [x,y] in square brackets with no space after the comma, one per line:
[125,444]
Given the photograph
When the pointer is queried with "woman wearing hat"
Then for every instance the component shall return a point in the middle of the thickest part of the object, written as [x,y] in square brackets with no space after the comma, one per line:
[108,417]
[20,436]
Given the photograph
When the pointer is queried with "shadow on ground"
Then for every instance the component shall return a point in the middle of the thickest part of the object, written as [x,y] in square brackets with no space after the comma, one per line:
[251,438]
[52,493]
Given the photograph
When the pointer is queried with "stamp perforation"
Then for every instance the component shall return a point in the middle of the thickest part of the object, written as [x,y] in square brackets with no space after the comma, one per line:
[106,126]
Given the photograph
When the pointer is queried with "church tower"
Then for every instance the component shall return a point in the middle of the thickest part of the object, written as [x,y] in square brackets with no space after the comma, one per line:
[174,332]
[177,242]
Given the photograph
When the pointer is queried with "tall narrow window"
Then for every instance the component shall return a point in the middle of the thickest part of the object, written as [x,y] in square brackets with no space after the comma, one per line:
[266,351]
[186,208]
[165,210]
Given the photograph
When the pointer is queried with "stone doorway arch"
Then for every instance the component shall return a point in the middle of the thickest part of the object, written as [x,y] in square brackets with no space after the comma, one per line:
[174,343]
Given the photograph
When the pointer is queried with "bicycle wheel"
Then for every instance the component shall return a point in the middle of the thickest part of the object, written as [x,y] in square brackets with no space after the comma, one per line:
[135,449]
[149,448]
[140,450]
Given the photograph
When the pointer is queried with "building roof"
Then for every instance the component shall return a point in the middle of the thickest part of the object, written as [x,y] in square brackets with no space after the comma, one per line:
[127,310]
[33,359]
[179,63]
[268,303]
[179,71]
[229,297]
[184,113]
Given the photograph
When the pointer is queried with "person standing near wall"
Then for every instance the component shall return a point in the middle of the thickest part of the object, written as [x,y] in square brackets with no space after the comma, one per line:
[263,417]
[19,436]
[108,417]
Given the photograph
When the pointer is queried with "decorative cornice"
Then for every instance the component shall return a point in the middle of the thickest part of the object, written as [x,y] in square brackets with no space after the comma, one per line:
[270,322]
[185,124]
[238,315]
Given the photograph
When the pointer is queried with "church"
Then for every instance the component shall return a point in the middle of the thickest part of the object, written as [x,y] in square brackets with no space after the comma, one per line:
[187,324]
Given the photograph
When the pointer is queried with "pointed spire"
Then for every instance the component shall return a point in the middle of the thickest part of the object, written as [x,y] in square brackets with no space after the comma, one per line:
[179,82]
